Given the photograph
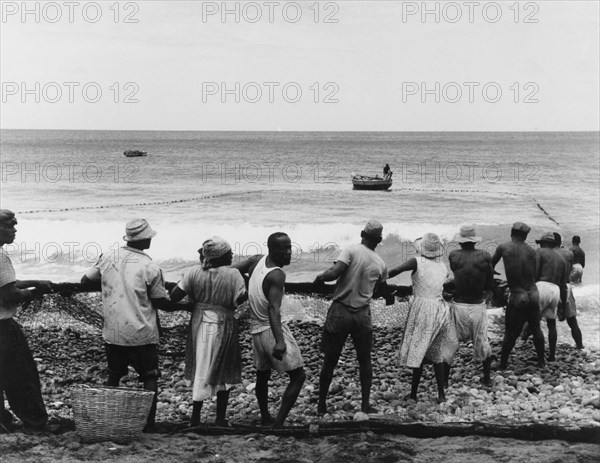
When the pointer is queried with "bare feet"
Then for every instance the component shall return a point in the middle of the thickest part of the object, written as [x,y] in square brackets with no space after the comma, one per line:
[267,421]
[322,410]
[370,410]
[409,397]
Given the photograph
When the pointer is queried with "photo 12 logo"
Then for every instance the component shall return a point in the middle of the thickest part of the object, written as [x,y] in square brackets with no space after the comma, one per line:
[70,172]
[470,12]
[70,12]
[269,92]
[270,12]
[69,92]
[469,92]
[269,172]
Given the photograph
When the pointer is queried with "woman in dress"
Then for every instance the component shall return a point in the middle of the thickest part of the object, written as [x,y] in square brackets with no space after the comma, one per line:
[213,359]
[428,333]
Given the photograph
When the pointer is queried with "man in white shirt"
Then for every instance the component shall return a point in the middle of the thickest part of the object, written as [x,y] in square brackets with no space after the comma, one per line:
[132,291]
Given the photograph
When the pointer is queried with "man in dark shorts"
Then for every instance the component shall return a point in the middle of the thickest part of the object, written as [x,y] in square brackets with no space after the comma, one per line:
[360,273]
[132,291]
[578,261]
[19,378]
[524,300]
[569,310]
[473,276]
[273,344]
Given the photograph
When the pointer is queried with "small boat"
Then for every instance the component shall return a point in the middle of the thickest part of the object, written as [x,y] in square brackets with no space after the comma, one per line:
[366,182]
[134,153]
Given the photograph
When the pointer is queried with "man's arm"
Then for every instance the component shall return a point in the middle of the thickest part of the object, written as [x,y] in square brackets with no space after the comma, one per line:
[246,267]
[43,286]
[489,277]
[497,256]
[332,273]
[13,295]
[275,281]
[582,259]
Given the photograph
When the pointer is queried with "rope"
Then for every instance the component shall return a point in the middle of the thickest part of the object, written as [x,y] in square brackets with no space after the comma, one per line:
[152,203]
[545,212]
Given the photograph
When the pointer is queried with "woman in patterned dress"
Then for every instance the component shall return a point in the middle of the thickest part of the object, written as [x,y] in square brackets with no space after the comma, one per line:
[213,359]
[428,332]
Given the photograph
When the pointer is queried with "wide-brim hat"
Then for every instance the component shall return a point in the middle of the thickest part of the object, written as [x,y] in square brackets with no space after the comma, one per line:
[547,238]
[138,230]
[467,235]
[429,245]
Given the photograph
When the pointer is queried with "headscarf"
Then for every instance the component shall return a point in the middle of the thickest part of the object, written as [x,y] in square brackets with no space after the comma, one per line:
[212,249]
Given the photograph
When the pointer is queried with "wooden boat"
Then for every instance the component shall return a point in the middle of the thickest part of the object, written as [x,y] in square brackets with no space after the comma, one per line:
[366,182]
[134,153]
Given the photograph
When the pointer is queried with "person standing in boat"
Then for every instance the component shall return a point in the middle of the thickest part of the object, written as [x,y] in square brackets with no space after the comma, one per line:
[387,172]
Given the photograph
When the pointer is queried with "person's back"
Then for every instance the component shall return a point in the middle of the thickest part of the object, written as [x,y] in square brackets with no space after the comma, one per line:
[568,256]
[519,265]
[428,280]
[216,286]
[578,255]
[366,268]
[129,280]
[551,266]
[472,270]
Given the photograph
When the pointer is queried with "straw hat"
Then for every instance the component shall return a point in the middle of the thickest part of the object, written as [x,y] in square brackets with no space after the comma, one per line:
[429,245]
[467,235]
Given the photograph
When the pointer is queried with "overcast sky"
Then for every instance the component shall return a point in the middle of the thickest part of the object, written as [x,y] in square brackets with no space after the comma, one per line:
[360,66]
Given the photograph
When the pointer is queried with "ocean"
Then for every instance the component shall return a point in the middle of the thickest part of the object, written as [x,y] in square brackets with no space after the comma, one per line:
[74,191]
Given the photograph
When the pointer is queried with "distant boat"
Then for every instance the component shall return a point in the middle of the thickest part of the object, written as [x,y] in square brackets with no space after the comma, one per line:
[366,182]
[134,153]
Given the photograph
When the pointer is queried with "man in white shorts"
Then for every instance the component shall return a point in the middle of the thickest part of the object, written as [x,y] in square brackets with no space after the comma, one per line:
[273,344]
[473,276]
[551,281]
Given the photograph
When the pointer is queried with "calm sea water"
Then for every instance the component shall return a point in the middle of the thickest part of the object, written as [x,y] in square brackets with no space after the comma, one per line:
[74,191]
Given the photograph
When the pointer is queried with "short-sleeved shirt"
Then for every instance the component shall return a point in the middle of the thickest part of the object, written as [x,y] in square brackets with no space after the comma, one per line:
[355,286]
[129,280]
[8,309]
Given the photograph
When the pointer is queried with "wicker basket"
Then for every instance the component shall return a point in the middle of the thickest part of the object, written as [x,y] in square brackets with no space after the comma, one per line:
[105,413]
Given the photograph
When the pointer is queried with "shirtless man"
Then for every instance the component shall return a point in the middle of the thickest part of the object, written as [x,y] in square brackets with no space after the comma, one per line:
[273,344]
[473,275]
[551,279]
[524,300]
[578,261]
[569,310]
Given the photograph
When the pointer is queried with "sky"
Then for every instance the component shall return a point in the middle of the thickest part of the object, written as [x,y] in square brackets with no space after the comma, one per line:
[300,66]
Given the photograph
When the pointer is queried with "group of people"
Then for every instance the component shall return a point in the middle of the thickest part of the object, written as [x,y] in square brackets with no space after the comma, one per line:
[133,290]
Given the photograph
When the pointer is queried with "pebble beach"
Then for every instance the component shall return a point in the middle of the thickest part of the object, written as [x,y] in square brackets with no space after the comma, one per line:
[564,396]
